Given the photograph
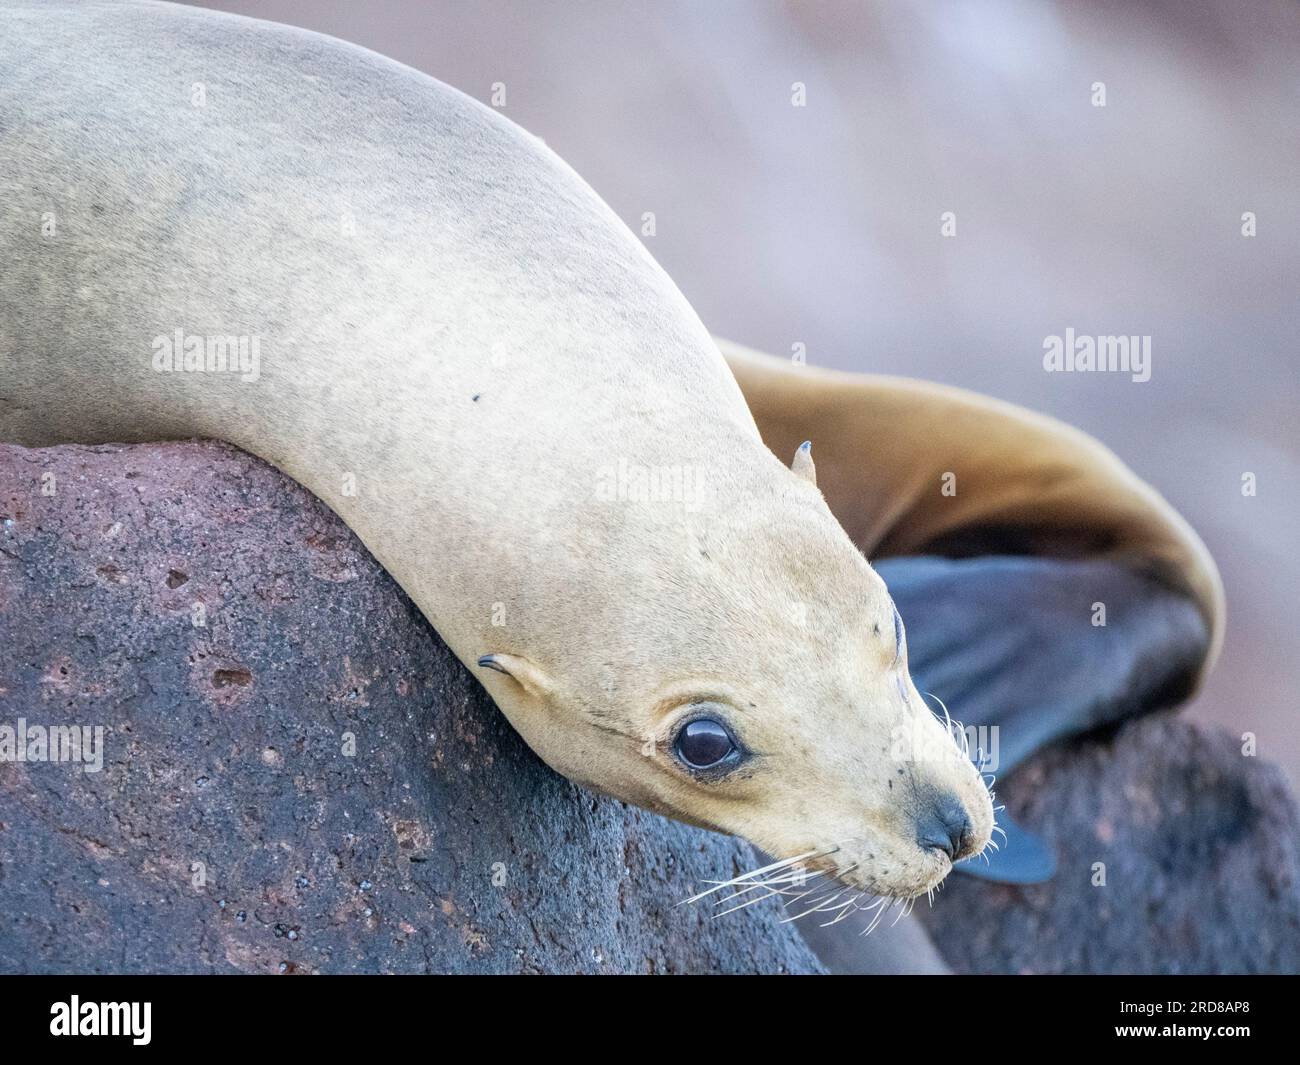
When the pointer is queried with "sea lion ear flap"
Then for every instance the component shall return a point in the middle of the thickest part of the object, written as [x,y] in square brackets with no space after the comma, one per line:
[802,464]
[521,671]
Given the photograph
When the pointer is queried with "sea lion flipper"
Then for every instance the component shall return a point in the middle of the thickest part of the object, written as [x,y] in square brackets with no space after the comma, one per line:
[1036,649]
[1019,858]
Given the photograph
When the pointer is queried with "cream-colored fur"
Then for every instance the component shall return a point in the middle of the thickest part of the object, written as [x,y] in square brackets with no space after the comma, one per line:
[468,356]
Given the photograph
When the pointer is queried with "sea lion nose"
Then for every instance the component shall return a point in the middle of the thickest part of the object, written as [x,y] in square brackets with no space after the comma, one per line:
[946,827]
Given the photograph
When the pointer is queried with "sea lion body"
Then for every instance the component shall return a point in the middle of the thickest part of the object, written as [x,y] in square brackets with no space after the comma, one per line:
[470,358]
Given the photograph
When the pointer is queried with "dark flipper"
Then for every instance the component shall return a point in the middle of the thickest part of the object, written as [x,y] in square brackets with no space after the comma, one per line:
[1020,858]
[1011,642]
[1012,647]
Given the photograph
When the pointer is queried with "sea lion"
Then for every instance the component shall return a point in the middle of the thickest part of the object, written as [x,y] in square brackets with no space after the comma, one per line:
[463,351]
[221,227]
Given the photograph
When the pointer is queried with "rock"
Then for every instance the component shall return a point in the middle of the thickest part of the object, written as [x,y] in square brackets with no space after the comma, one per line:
[297,775]
[1201,854]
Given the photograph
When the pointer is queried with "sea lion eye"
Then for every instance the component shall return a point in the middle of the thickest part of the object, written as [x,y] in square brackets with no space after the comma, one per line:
[704,742]
[900,637]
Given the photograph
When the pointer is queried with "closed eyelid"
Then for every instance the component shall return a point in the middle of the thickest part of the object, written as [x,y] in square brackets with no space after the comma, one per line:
[900,637]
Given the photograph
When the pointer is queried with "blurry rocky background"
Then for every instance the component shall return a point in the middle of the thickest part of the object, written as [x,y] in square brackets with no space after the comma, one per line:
[820,225]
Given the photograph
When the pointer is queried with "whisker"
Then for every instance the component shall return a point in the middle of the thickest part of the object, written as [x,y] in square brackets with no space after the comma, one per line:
[745,878]
[879,907]
[816,891]
[743,905]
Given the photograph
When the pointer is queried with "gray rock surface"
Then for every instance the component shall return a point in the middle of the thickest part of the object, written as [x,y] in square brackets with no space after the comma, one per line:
[1201,852]
[230,634]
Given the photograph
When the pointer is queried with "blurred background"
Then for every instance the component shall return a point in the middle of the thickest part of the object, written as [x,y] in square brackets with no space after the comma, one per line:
[820,224]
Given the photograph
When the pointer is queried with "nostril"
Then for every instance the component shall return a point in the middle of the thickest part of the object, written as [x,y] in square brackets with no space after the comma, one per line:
[946,828]
[940,841]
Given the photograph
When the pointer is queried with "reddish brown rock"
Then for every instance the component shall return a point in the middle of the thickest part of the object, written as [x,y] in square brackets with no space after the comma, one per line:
[298,776]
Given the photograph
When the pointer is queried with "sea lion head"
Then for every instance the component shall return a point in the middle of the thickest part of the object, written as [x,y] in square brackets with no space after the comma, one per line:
[753,678]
